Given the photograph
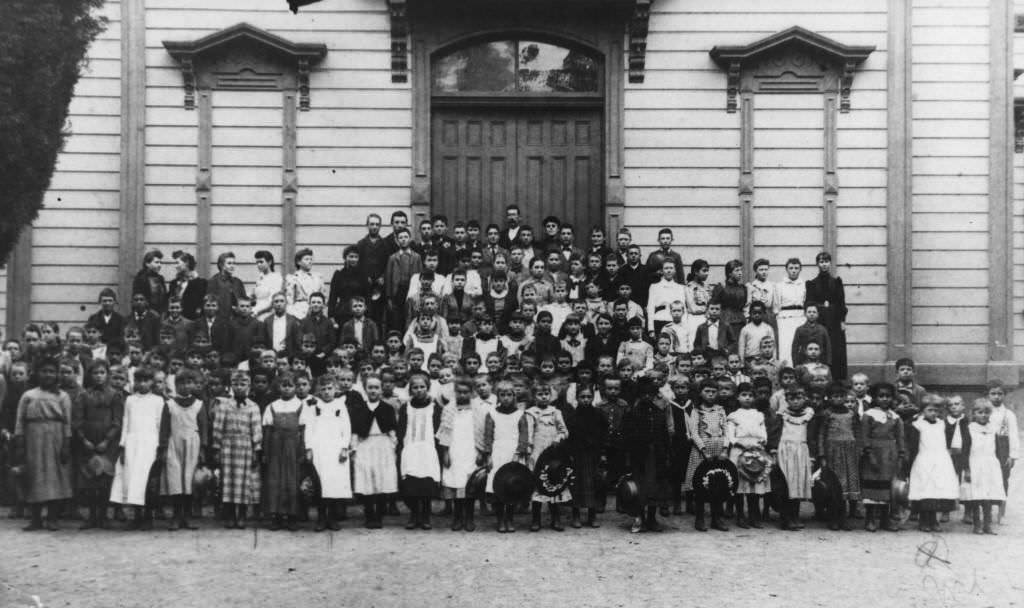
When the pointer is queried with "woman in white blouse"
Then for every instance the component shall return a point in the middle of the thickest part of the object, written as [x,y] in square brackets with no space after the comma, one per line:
[791,295]
[301,284]
[268,283]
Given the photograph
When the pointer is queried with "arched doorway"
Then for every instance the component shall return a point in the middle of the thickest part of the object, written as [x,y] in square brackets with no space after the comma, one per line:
[518,120]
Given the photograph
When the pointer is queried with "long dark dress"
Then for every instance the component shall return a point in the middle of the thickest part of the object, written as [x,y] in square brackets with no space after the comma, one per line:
[282,440]
[96,417]
[588,431]
[733,298]
[881,435]
[830,295]
[645,437]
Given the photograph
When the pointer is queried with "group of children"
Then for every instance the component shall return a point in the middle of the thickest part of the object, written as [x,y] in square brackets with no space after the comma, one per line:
[268,417]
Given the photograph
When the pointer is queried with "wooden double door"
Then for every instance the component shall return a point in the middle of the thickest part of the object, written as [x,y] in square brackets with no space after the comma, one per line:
[547,161]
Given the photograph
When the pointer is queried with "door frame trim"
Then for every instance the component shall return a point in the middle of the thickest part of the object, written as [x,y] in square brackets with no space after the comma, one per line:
[602,33]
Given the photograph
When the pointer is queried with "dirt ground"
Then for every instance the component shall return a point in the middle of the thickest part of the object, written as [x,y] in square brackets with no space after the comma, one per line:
[213,567]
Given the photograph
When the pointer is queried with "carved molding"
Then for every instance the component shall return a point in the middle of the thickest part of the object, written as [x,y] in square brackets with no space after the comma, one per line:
[244,57]
[399,11]
[793,60]
[638,29]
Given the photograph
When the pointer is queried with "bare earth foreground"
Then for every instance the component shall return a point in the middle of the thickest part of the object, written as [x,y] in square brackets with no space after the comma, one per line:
[607,567]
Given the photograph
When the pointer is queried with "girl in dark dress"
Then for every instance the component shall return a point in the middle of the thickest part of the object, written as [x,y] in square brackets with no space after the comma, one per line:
[828,292]
[96,426]
[732,295]
[150,282]
[588,430]
[282,454]
[187,286]
[646,437]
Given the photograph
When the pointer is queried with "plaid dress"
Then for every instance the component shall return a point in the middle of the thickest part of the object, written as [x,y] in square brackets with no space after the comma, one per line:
[237,434]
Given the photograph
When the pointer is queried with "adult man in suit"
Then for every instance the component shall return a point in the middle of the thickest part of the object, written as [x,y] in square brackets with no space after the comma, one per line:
[512,225]
[107,319]
[282,331]
[714,336]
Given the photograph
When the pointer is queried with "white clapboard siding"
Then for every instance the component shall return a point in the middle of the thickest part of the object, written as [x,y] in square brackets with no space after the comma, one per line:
[950,179]
[354,144]
[75,240]
[1018,256]
[682,149]
[247,140]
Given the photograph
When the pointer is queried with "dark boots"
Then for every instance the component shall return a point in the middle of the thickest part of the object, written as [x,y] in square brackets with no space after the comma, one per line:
[457,518]
[741,521]
[369,513]
[228,513]
[870,521]
[321,518]
[698,523]
[717,522]
[36,521]
[425,514]
[468,506]
[510,512]
[986,514]
[753,511]
[414,515]
[651,522]
[556,518]
[887,522]
[535,508]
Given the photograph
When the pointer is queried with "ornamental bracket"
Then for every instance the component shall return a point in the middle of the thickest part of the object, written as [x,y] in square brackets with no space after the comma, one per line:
[639,23]
[399,12]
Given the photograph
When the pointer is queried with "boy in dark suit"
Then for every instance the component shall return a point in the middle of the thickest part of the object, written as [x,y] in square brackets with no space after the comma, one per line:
[811,331]
[713,335]
[360,328]
[281,331]
[216,328]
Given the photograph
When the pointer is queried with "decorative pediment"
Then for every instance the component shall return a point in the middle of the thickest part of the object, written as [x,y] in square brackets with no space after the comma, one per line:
[398,12]
[244,57]
[793,60]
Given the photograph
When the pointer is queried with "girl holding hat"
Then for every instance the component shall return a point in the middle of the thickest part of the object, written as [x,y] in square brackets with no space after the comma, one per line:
[707,440]
[96,421]
[42,429]
[745,430]
[545,427]
[186,420]
[646,431]
[883,442]
[504,440]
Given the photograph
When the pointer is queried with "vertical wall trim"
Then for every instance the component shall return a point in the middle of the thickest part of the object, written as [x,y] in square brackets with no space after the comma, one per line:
[746,185]
[132,201]
[289,178]
[1001,23]
[19,285]
[830,178]
[899,194]
[204,182]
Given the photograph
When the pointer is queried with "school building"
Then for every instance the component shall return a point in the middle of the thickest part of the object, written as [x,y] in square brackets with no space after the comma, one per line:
[884,131]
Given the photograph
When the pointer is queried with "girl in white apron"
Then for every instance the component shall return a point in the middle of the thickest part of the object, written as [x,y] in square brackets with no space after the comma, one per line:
[420,466]
[457,440]
[328,435]
[140,442]
[504,441]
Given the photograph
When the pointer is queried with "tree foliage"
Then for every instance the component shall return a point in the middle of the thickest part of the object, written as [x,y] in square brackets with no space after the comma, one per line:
[43,45]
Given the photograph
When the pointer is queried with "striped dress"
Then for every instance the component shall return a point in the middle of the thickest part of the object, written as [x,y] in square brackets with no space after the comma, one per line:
[708,434]
[237,434]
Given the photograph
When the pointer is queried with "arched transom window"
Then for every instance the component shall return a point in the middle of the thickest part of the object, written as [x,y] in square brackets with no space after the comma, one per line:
[517,67]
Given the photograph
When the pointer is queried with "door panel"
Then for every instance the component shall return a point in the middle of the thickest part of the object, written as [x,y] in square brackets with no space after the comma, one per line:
[547,161]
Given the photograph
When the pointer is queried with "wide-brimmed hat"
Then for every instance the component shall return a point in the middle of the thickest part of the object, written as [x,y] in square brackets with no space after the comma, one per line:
[826,492]
[554,471]
[900,491]
[95,466]
[754,464]
[476,485]
[627,494]
[715,479]
[513,483]
[309,482]
[202,480]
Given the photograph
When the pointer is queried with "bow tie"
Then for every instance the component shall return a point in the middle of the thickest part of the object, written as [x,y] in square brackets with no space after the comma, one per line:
[240,401]
[574,342]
